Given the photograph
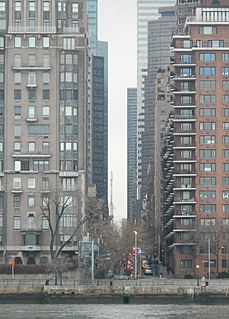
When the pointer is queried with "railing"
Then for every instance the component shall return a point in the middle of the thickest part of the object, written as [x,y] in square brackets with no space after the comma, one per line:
[36,29]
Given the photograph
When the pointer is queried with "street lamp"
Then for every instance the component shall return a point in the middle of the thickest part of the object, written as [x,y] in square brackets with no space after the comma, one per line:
[136,257]
[197,274]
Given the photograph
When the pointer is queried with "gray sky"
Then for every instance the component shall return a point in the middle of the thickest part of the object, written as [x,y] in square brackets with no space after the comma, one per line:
[118,26]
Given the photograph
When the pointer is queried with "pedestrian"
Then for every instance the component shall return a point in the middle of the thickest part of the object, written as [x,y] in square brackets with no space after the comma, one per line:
[168,269]
[203,285]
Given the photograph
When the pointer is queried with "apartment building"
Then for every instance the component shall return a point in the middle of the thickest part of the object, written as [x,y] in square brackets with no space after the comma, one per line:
[197,231]
[43,130]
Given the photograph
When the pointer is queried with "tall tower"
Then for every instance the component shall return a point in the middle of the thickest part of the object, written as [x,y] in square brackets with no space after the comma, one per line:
[131,152]
[146,11]
[43,136]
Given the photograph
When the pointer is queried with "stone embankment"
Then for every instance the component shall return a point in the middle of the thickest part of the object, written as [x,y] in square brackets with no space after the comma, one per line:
[148,290]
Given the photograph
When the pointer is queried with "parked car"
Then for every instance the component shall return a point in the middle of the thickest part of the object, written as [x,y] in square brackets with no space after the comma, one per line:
[121,277]
[148,271]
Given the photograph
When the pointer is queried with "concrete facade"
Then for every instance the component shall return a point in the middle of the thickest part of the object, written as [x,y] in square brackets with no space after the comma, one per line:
[43,124]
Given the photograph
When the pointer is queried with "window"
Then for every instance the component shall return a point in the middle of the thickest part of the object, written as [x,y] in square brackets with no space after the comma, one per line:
[207,70]
[17,94]
[206,126]
[32,60]
[31,182]
[45,223]
[46,77]
[75,7]
[2,6]
[186,58]
[32,42]
[186,154]
[31,112]
[226,125]
[31,147]
[17,223]
[46,60]
[17,111]
[31,201]
[186,72]
[207,139]
[225,71]
[225,139]
[41,166]
[207,112]
[17,201]
[207,30]
[207,85]
[45,111]
[225,153]
[225,194]
[225,57]
[186,44]
[31,94]
[207,208]
[186,263]
[207,194]
[207,181]
[25,165]
[37,129]
[225,167]
[45,148]
[17,146]
[225,112]
[17,182]
[186,140]
[226,208]
[207,57]
[207,221]
[225,181]
[68,184]
[46,95]
[32,78]
[31,221]
[45,200]
[207,98]
[68,220]
[45,42]
[215,43]
[17,130]
[207,153]
[17,42]
[186,127]
[69,43]
[45,183]
[207,167]
[17,77]
[225,221]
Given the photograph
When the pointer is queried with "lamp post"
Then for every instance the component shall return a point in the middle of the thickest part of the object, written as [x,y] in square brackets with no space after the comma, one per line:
[136,252]
[197,274]
[209,258]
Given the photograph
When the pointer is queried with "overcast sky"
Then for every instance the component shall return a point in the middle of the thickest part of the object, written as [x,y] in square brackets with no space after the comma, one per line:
[118,26]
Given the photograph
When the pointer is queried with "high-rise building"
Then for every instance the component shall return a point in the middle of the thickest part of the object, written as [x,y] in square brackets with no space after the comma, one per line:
[146,10]
[43,130]
[159,37]
[98,107]
[196,228]
[131,152]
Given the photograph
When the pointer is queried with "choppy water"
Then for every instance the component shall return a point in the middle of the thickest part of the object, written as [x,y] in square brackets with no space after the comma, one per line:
[171,311]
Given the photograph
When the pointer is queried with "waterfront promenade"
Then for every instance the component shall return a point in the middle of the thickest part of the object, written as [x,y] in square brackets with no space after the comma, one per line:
[147,290]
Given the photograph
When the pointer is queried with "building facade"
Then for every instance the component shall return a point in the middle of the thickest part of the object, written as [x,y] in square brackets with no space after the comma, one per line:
[146,10]
[131,152]
[44,58]
[197,232]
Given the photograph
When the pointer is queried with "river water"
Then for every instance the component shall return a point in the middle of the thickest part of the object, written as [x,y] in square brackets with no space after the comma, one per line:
[67,311]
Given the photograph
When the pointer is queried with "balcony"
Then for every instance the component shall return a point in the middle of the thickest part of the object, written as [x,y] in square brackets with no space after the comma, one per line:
[180,200]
